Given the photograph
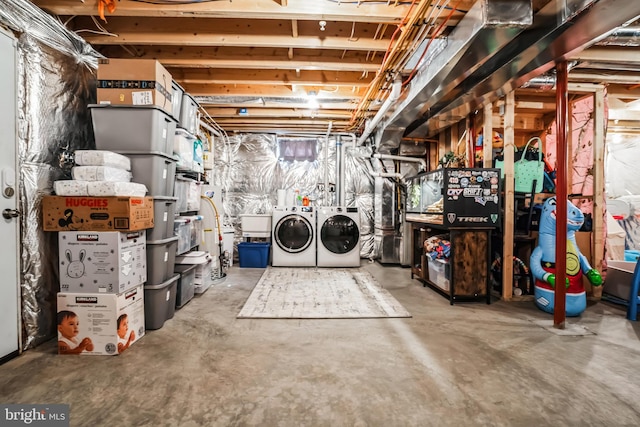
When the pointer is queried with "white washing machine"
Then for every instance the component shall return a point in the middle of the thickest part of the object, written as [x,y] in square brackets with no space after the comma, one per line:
[338,236]
[293,240]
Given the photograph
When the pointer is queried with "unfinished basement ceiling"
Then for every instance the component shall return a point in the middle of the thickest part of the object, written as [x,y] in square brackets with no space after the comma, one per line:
[254,66]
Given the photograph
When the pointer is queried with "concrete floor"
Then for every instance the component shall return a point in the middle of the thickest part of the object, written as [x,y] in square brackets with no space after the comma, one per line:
[470,364]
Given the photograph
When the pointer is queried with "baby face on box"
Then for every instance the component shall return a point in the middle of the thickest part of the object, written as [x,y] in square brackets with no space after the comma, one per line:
[68,330]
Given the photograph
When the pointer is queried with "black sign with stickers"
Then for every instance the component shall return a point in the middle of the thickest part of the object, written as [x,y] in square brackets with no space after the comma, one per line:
[471,197]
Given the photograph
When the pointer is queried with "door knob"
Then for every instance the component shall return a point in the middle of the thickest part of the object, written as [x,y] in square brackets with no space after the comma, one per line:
[10,213]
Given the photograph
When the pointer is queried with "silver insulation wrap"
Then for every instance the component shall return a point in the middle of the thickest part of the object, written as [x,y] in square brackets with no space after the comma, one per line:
[251,168]
[55,85]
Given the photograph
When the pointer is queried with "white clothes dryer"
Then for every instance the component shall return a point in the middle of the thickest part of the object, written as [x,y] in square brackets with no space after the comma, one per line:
[293,241]
[338,236]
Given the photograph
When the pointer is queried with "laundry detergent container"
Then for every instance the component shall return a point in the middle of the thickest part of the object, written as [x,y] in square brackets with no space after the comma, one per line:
[161,258]
[160,302]
[154,169]
[133,127]
[164,211]
[186,283]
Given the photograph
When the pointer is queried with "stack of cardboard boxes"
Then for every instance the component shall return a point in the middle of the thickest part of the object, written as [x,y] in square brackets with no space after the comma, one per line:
[137,115]
[109,270]
[102,263]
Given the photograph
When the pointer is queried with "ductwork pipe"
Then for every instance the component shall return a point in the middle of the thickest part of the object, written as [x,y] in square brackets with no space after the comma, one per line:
[326,166]
[543,82]
[342,179]
[393,97]
[422,162]
[339,168]
[626,36]
[487,28]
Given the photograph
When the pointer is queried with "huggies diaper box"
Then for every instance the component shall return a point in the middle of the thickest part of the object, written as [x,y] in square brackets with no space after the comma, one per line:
[60,213]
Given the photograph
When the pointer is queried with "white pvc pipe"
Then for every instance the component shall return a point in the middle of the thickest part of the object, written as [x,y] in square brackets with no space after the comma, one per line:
[213,131]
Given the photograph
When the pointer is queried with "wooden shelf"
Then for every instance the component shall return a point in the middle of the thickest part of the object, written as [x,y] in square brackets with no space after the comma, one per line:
[469,261]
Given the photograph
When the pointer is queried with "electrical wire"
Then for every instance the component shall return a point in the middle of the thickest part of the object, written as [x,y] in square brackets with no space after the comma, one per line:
[390,65]
[436,33]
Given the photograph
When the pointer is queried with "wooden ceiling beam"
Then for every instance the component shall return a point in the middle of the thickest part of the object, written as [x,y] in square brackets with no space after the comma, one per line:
[278,113]
[273,63]
[523,122]
[179,38]
[281,91]
[532,105]
[606,54]
[623,91]
[604,77]
[274,105]
[288,77]
[266,121]
[311,130]
[229,27]
[247,58]
[378,12]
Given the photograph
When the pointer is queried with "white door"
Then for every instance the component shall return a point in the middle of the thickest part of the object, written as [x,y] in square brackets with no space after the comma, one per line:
[9,220]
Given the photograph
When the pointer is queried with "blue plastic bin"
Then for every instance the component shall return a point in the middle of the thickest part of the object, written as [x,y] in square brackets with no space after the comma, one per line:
[253,254]
[631,255]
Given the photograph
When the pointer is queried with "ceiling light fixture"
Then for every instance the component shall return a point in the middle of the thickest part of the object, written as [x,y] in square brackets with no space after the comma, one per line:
[312,99]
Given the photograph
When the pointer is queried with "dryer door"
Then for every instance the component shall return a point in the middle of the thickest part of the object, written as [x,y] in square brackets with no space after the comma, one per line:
[339,234]
[293,233]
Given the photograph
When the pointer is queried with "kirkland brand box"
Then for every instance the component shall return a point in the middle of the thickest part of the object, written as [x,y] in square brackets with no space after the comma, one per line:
[134,82]
[102,262]
[100,324]
[60,213]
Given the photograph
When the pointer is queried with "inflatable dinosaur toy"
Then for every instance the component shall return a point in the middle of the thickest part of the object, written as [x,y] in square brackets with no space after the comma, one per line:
[543,259]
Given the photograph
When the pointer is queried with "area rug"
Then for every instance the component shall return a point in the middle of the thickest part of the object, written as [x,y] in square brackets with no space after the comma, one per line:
[316,293]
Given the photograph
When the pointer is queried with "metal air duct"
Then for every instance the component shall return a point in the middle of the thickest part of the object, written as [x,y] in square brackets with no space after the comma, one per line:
[626,36]
[561,29]
[486,28]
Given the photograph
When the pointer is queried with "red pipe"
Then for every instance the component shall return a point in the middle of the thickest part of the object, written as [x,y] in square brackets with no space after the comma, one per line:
[562,120]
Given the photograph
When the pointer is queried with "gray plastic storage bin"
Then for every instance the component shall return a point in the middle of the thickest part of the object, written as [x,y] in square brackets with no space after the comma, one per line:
[133,127]
[182,187]
[164,211]
[189,114]
[176,99]
[186,283]
[182,230]
[161,258]
[154,169]
[160,302]
[189,230]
